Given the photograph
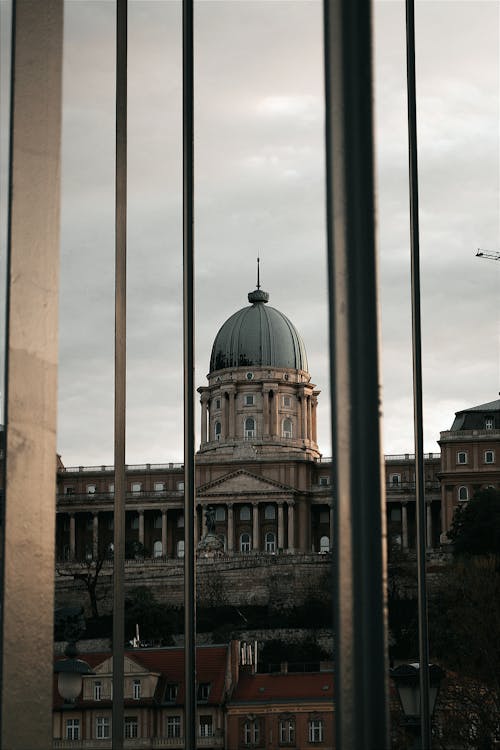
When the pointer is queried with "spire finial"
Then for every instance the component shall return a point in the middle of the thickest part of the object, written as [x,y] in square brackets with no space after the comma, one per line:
[258,272]
[258,295]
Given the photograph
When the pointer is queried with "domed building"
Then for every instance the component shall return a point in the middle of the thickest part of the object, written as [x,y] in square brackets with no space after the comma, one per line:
[260,392]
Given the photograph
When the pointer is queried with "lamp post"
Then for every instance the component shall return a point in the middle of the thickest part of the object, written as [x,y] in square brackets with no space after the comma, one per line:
[407,680]
[70,671]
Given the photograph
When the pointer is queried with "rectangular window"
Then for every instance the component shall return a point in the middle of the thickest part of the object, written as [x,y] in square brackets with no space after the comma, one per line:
[203,691]
[131,728]
[111,488]
[287,401]
[217,403]
[136,690]
[489,457]
[180,486]
[173,726]
[462,457]
[72,729]
[206,726]
[489,423]
[102,725]
[395,514]
[171,692]
[249,399]
[91,489]
[97,690]
[136,486]
[324,481]
[287,731]
[316,730]
[159,486]
[69,490]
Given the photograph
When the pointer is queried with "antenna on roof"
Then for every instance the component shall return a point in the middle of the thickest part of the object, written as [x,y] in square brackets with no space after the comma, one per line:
[258,272]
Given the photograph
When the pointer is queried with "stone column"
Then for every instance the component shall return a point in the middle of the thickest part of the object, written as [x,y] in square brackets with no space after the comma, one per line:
[331,519]
[265,401]
[429,525]
[230,527]
[291,525]
[255,526]
[309,418]
[224,418]
[303,407]
[276,429]
[95,535]
[196,533]
[164,530]
[203,521]
[314,419]
[281,526]
[141,526]
[404,525]
[72,537]
[204,417]
[232,415]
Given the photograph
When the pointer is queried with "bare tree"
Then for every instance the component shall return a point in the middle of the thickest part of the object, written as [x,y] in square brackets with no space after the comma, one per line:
[87,572]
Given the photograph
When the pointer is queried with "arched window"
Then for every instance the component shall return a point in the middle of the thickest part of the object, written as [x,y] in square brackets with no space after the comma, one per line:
[245,514]
[324,544]
[463,494]
[270,542]
[395,480]
[180,548]
[287,428]
[157,549]
[158,521]
[180,522]
[218,430]
[245,543]
[220,513]
[249,427]
[270,512]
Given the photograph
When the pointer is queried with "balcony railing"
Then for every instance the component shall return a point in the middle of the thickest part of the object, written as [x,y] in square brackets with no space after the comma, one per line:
[110,469]
[466,434]
[142,743]
[88,497]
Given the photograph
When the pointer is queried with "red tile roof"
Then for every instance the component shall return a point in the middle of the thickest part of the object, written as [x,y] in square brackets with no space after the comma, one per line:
[169,662]
[264,688]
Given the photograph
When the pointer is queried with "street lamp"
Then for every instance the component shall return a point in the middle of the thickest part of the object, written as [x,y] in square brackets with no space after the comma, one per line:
[407,680]
[70,671]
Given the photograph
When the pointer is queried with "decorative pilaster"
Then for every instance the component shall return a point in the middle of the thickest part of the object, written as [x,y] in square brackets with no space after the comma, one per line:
[231,431]
[204,418]
[303,407]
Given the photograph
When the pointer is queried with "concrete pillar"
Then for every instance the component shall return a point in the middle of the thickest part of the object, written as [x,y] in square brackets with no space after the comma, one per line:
[230,527]
[404,526]
[429,525]
[141,526]
[281,527]
[72,536]
[164,530]
[95,535]
[255,526]
[291,525]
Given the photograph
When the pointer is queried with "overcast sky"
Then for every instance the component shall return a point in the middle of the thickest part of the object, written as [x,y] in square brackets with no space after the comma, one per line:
[259,175]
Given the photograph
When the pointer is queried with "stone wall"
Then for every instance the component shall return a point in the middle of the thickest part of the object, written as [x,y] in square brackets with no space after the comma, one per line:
[253,579]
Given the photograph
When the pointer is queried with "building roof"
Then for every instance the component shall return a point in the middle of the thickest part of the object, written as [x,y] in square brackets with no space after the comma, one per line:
[470,418]
[211,662]
[259,336]
[292,686]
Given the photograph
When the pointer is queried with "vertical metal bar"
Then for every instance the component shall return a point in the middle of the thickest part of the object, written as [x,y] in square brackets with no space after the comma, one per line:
[31,375]
[189,384]
[360,544]
[417,378]
[120,372]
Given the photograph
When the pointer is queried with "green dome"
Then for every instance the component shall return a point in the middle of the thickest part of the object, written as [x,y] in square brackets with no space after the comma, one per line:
[258,336]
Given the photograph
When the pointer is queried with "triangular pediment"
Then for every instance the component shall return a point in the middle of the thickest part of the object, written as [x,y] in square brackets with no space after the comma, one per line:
[243,483]
[129,665]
